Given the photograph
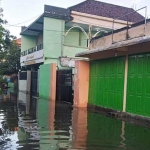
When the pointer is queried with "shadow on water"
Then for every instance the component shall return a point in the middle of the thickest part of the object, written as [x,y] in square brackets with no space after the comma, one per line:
[28,123]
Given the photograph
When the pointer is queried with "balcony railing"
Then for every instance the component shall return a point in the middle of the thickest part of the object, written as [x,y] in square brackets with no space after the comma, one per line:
[32,50]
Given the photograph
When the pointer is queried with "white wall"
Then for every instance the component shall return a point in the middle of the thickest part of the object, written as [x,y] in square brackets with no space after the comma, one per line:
[25,85]
[22,85]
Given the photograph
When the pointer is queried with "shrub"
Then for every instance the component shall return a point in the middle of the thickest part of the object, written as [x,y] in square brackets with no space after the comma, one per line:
[2,81]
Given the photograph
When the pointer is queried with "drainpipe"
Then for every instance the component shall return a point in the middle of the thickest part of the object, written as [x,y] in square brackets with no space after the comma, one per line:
[62,38]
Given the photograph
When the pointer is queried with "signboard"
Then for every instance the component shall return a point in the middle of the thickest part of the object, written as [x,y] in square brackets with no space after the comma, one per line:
[34,58]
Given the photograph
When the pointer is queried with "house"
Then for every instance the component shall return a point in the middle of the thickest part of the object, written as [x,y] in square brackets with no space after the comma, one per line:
[49,44]
[18,42]
[119,75]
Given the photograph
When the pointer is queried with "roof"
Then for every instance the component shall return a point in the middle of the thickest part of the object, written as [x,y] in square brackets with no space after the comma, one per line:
[18,41]
[89,6]
[106,10]
[117,45]
[114,46]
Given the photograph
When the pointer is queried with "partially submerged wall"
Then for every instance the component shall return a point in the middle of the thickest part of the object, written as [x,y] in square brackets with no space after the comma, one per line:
[47,81]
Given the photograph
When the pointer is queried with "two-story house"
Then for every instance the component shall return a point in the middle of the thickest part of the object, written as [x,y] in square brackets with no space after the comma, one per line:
[59,33]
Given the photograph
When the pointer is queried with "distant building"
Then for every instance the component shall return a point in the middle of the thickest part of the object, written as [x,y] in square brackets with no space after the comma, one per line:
[18,42]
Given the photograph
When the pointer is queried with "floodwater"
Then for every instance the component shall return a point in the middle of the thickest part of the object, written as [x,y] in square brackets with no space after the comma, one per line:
[28,123]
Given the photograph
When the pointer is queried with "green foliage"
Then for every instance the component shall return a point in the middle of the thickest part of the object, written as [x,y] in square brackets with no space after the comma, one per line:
[0,91]
[2,81]
[11,62]
[9,51]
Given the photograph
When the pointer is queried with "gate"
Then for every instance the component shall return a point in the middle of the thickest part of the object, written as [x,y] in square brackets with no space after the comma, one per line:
[106,83]
[34,82]
[64,90]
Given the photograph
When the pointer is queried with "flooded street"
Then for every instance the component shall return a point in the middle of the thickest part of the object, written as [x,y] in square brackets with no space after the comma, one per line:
[28,123]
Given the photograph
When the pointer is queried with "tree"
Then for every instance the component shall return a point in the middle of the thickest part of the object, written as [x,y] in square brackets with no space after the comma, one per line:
[10,63]
[9,51]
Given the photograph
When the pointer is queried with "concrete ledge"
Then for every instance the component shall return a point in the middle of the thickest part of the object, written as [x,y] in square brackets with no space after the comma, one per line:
[131,118]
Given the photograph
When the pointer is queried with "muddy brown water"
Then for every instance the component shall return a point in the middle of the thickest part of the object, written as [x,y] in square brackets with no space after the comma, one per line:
[28,123]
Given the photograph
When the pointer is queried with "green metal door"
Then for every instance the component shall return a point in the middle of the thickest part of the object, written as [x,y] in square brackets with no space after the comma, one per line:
[138,89]
[107,83]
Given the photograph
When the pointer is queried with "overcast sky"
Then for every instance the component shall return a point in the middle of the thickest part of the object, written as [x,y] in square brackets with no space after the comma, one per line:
[18,11]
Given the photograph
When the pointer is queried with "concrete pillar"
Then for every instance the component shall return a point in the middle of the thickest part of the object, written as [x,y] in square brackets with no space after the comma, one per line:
[125,84]
[81,83]
[27,104]
[28,87]
[79,127]
[52,92]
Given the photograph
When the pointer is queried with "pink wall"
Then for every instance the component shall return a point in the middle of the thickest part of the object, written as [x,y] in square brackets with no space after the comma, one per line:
[53,82]
[81,83]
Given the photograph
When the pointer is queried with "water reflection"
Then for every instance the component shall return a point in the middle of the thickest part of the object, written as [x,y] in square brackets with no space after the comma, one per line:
[79,128]
[30,123]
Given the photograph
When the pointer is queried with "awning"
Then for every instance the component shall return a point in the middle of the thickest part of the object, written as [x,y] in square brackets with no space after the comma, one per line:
[120,47]
[34,28]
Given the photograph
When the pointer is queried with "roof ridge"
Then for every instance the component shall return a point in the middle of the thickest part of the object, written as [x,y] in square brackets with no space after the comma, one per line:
[98,2]
[54,6]
[104,9]
[77,4]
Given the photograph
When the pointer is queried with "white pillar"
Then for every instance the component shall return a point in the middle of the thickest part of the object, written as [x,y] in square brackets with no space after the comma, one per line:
[125,84]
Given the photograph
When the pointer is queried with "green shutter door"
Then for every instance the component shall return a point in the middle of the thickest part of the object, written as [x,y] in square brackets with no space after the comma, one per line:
[138,91]
[106,83]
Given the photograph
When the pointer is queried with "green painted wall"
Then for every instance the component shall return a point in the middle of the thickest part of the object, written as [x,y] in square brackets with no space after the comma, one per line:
[27,42]
[107,83]
[83,40]
[72,37]
[44,81]
[53,38]
[75,38]
[71,51]
[138,90]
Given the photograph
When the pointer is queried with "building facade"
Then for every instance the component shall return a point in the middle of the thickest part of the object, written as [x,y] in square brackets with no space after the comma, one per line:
[50,43]
[119,72]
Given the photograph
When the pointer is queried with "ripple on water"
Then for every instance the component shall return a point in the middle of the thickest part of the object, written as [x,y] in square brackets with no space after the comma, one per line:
[32,124]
